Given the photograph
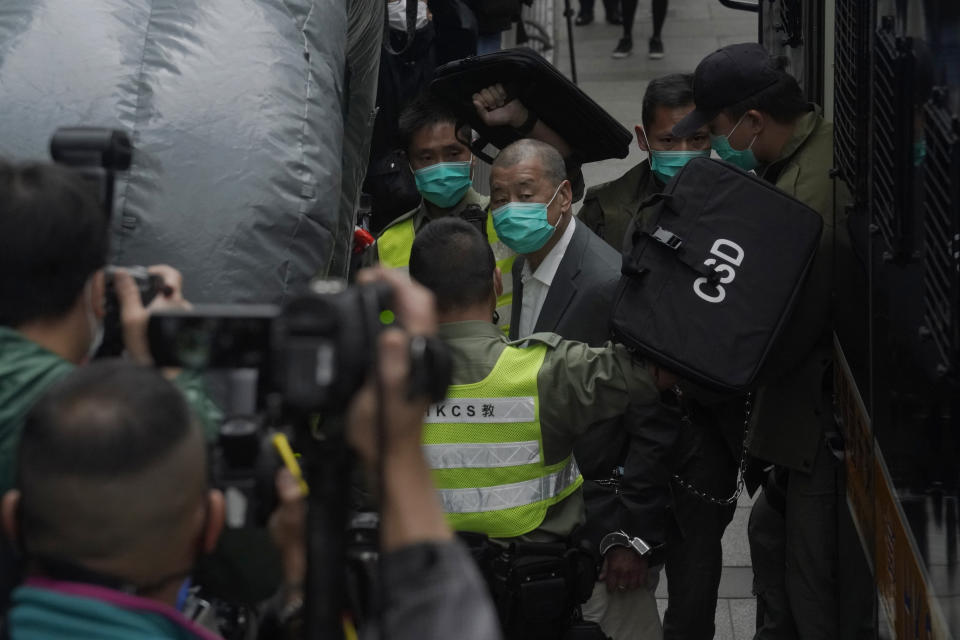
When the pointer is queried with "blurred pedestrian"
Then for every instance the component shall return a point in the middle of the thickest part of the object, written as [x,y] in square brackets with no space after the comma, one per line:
[610,7]
[625,46]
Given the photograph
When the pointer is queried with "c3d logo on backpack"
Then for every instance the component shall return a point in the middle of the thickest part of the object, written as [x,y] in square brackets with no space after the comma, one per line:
[728,251]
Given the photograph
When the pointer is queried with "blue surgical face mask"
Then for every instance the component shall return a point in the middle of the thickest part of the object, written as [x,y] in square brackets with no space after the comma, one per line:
[666,164]
[524,226]
[445,183]
[742,158]
[919,151]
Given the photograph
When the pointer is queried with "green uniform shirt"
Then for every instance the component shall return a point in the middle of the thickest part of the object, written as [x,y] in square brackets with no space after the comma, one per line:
[790,410]
[609,208]
[578,386]
[27,370]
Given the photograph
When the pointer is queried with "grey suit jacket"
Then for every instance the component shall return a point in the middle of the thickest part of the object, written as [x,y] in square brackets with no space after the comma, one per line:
[578,307]
[580,299]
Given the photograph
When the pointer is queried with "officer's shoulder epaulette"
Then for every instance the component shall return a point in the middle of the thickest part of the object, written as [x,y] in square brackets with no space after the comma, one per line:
[544,337]
[400,220]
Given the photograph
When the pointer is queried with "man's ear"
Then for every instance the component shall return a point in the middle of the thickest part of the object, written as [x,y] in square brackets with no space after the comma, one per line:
[216,512]
[566,197]
[756,121]
[641,138]
[10,514]
[98,291]
[497,282]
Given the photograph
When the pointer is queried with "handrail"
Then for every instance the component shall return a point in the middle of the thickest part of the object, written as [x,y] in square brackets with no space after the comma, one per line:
[742,6]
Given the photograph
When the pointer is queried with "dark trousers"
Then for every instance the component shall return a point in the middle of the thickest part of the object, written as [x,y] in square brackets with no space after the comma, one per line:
[793,549]
[694,556]
[811,577]
[612,7]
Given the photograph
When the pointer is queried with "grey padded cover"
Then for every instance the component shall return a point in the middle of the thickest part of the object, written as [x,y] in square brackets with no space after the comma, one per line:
[235,109]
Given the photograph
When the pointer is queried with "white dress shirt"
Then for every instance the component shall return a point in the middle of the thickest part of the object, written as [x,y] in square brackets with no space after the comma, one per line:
[536,284]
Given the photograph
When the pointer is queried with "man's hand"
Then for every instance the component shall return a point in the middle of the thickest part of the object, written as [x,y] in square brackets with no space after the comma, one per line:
[134,316]
[662,378]
[623,569]
[414,308]
[410,510]
[496,110]
[287,528]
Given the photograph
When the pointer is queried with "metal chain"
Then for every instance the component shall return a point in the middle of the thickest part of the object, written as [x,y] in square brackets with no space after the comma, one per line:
[741,470]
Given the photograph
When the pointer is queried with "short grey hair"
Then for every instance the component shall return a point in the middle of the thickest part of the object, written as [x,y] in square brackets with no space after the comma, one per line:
[550,159]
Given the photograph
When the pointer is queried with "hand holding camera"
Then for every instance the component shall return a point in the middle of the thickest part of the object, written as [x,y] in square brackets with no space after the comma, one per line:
[410,511]
[415,311]
[132,312]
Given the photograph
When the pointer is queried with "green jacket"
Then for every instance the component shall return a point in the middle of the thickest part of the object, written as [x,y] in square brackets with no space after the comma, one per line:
[609,208]
[578,385]
[27,370]
[792,408]
[64,610]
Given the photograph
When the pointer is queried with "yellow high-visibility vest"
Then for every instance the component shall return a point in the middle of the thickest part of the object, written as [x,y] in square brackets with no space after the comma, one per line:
[396,242]
[485,448]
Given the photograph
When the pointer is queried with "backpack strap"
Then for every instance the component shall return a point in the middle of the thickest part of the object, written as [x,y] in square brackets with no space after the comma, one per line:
[411,28]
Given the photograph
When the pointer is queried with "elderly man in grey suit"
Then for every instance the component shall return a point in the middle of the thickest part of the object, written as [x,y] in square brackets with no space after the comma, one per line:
[564,282]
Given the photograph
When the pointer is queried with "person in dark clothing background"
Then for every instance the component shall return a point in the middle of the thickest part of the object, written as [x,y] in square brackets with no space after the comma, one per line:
[610,7]
[625,46]
[493,18]
[708,436]
[402,77]
[759,119]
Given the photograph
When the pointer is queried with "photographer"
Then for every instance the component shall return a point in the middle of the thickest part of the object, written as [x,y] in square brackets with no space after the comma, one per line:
[104,562]
[53,249]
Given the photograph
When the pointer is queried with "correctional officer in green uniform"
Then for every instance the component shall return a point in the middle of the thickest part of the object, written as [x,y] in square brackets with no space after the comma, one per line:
[709,439]
[609,208]
[760,121]
[501,444]
[443,168]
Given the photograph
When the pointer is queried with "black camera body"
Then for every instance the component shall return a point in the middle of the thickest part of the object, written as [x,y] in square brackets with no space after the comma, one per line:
[311,355]
[148,284]
[95,153]
[314,352]
[243,464]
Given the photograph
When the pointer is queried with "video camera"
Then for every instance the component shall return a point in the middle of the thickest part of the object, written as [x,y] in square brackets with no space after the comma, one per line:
[96,154]
[311,356]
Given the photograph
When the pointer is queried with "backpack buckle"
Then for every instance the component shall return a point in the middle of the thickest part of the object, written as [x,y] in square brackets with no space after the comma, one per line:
[668,238]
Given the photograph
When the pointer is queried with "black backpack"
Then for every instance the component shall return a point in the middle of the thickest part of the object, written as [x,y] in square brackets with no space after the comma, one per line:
[711,273]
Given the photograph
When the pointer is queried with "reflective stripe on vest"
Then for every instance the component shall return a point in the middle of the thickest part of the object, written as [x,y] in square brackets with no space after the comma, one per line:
[395,243]
[510,496]
[485,447]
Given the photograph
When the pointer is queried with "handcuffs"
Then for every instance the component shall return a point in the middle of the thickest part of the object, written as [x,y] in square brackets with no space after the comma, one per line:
[621,539]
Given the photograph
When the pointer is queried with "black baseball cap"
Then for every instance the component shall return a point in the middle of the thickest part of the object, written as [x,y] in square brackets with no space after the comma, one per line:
[724,78]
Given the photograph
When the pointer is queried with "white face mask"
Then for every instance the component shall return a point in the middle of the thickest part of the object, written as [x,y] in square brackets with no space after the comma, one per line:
[95,323]
[397,14]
